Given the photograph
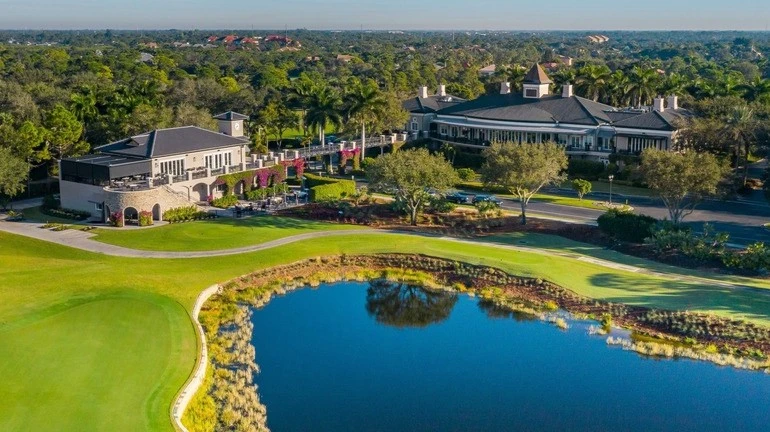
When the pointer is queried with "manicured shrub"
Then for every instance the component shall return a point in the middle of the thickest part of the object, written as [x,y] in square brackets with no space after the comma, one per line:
[116,219]
[329,189]
[626,226]
[145,218]
[185,214]
[333,192]
[466,174]
[226,201]
[586,169]
[66,213]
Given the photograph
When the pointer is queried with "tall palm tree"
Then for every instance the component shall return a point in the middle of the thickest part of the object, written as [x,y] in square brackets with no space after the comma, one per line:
[740,128]
[618,89]
[365,104]
[83,105]
[756,90]
[674,84]
[592,81]
[324,109]
[513,74]
[643,85]
[303,88]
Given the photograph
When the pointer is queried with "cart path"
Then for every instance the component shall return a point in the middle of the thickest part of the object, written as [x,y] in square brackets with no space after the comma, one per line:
[84,240]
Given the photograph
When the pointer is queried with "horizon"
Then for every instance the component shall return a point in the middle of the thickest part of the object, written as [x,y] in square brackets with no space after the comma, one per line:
[383,15]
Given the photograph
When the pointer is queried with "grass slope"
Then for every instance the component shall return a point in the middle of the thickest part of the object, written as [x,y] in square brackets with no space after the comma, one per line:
[224,233]
[92,342]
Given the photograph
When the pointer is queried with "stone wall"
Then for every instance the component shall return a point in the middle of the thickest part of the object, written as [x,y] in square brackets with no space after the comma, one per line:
[145,200]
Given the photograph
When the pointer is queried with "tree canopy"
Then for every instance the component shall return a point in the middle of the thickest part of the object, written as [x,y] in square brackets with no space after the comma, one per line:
[411,176]
[681,180]
[523,169]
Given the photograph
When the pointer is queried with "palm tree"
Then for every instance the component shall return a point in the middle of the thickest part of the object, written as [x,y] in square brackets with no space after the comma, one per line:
[729,85]
[365,104]
[642,85]
[83,105]
[303,88]
[592,80]
[674,84]
[324,109]
[756,90]
[564,76]
[618,89]
[740,126]
[513,74]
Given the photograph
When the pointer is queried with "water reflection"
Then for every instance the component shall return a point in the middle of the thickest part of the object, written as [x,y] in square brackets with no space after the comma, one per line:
[494,310]
[401,305]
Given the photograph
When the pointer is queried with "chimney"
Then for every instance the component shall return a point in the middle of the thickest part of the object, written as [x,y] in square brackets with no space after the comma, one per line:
[442,90]
[566,90]
[673,102]
[659,104]
[505,88]
[424,92]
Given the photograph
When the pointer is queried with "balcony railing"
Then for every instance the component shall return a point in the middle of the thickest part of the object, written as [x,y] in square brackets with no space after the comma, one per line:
[460,140]
[199,174]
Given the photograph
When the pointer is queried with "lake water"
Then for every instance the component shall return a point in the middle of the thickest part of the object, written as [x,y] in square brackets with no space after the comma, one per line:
[384,357]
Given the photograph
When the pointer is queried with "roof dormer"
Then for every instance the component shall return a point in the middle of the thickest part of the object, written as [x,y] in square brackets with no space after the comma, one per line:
[536,83]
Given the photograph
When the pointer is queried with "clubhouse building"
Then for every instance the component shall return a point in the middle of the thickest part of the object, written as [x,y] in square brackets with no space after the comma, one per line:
[587,129]
[161,169]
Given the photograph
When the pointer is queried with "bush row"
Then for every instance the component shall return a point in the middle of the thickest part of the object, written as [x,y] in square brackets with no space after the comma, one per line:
[186,214]
[333,191]
[226,201]
[65,213]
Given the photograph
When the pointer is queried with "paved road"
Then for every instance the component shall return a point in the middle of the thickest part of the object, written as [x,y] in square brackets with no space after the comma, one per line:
[743,220]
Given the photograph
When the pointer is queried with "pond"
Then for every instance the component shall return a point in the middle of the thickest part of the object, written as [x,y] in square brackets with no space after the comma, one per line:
[382,356]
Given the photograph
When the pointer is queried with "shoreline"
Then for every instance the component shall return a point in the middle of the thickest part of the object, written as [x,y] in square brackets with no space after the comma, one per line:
[703,337]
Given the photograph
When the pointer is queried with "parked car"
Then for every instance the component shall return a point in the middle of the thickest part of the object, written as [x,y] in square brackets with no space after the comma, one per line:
[488,198]
[460,198]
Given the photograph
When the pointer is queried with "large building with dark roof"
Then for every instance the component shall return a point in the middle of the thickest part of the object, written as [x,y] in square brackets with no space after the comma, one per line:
[586,129]
[159,169]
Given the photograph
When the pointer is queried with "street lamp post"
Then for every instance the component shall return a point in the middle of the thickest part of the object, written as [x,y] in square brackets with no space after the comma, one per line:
[611,177]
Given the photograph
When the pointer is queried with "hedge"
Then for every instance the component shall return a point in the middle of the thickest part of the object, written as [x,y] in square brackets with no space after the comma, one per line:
[332,192]
[626,226]
[586,169]
[315,180]
[329,189]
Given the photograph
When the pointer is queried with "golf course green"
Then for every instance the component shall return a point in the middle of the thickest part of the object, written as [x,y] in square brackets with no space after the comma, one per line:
[95,342]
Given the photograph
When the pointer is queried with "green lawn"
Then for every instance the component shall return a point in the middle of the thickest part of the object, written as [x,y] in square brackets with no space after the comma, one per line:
[586,202]
[223,233]
[93,342]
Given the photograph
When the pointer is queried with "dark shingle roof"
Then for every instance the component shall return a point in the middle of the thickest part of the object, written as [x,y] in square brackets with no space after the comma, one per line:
[549,109]
[576,110]
[431,103]
[166,142]
[537,75]
[666,120]
[231,115]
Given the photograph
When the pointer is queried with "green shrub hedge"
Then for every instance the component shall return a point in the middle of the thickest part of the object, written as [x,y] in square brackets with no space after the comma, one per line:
[186,214]
[329,189]
[626,226]
[65,213]
[333,191]
[226,201]
[585,169]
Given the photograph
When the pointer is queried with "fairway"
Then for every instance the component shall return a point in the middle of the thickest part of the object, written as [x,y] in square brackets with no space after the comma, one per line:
[223,233]
[94,342]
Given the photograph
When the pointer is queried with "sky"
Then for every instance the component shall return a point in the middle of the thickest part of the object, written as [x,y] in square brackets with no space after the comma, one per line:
[388,14]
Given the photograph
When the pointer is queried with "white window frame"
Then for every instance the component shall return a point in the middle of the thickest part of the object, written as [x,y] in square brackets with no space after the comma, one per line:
[174,167]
